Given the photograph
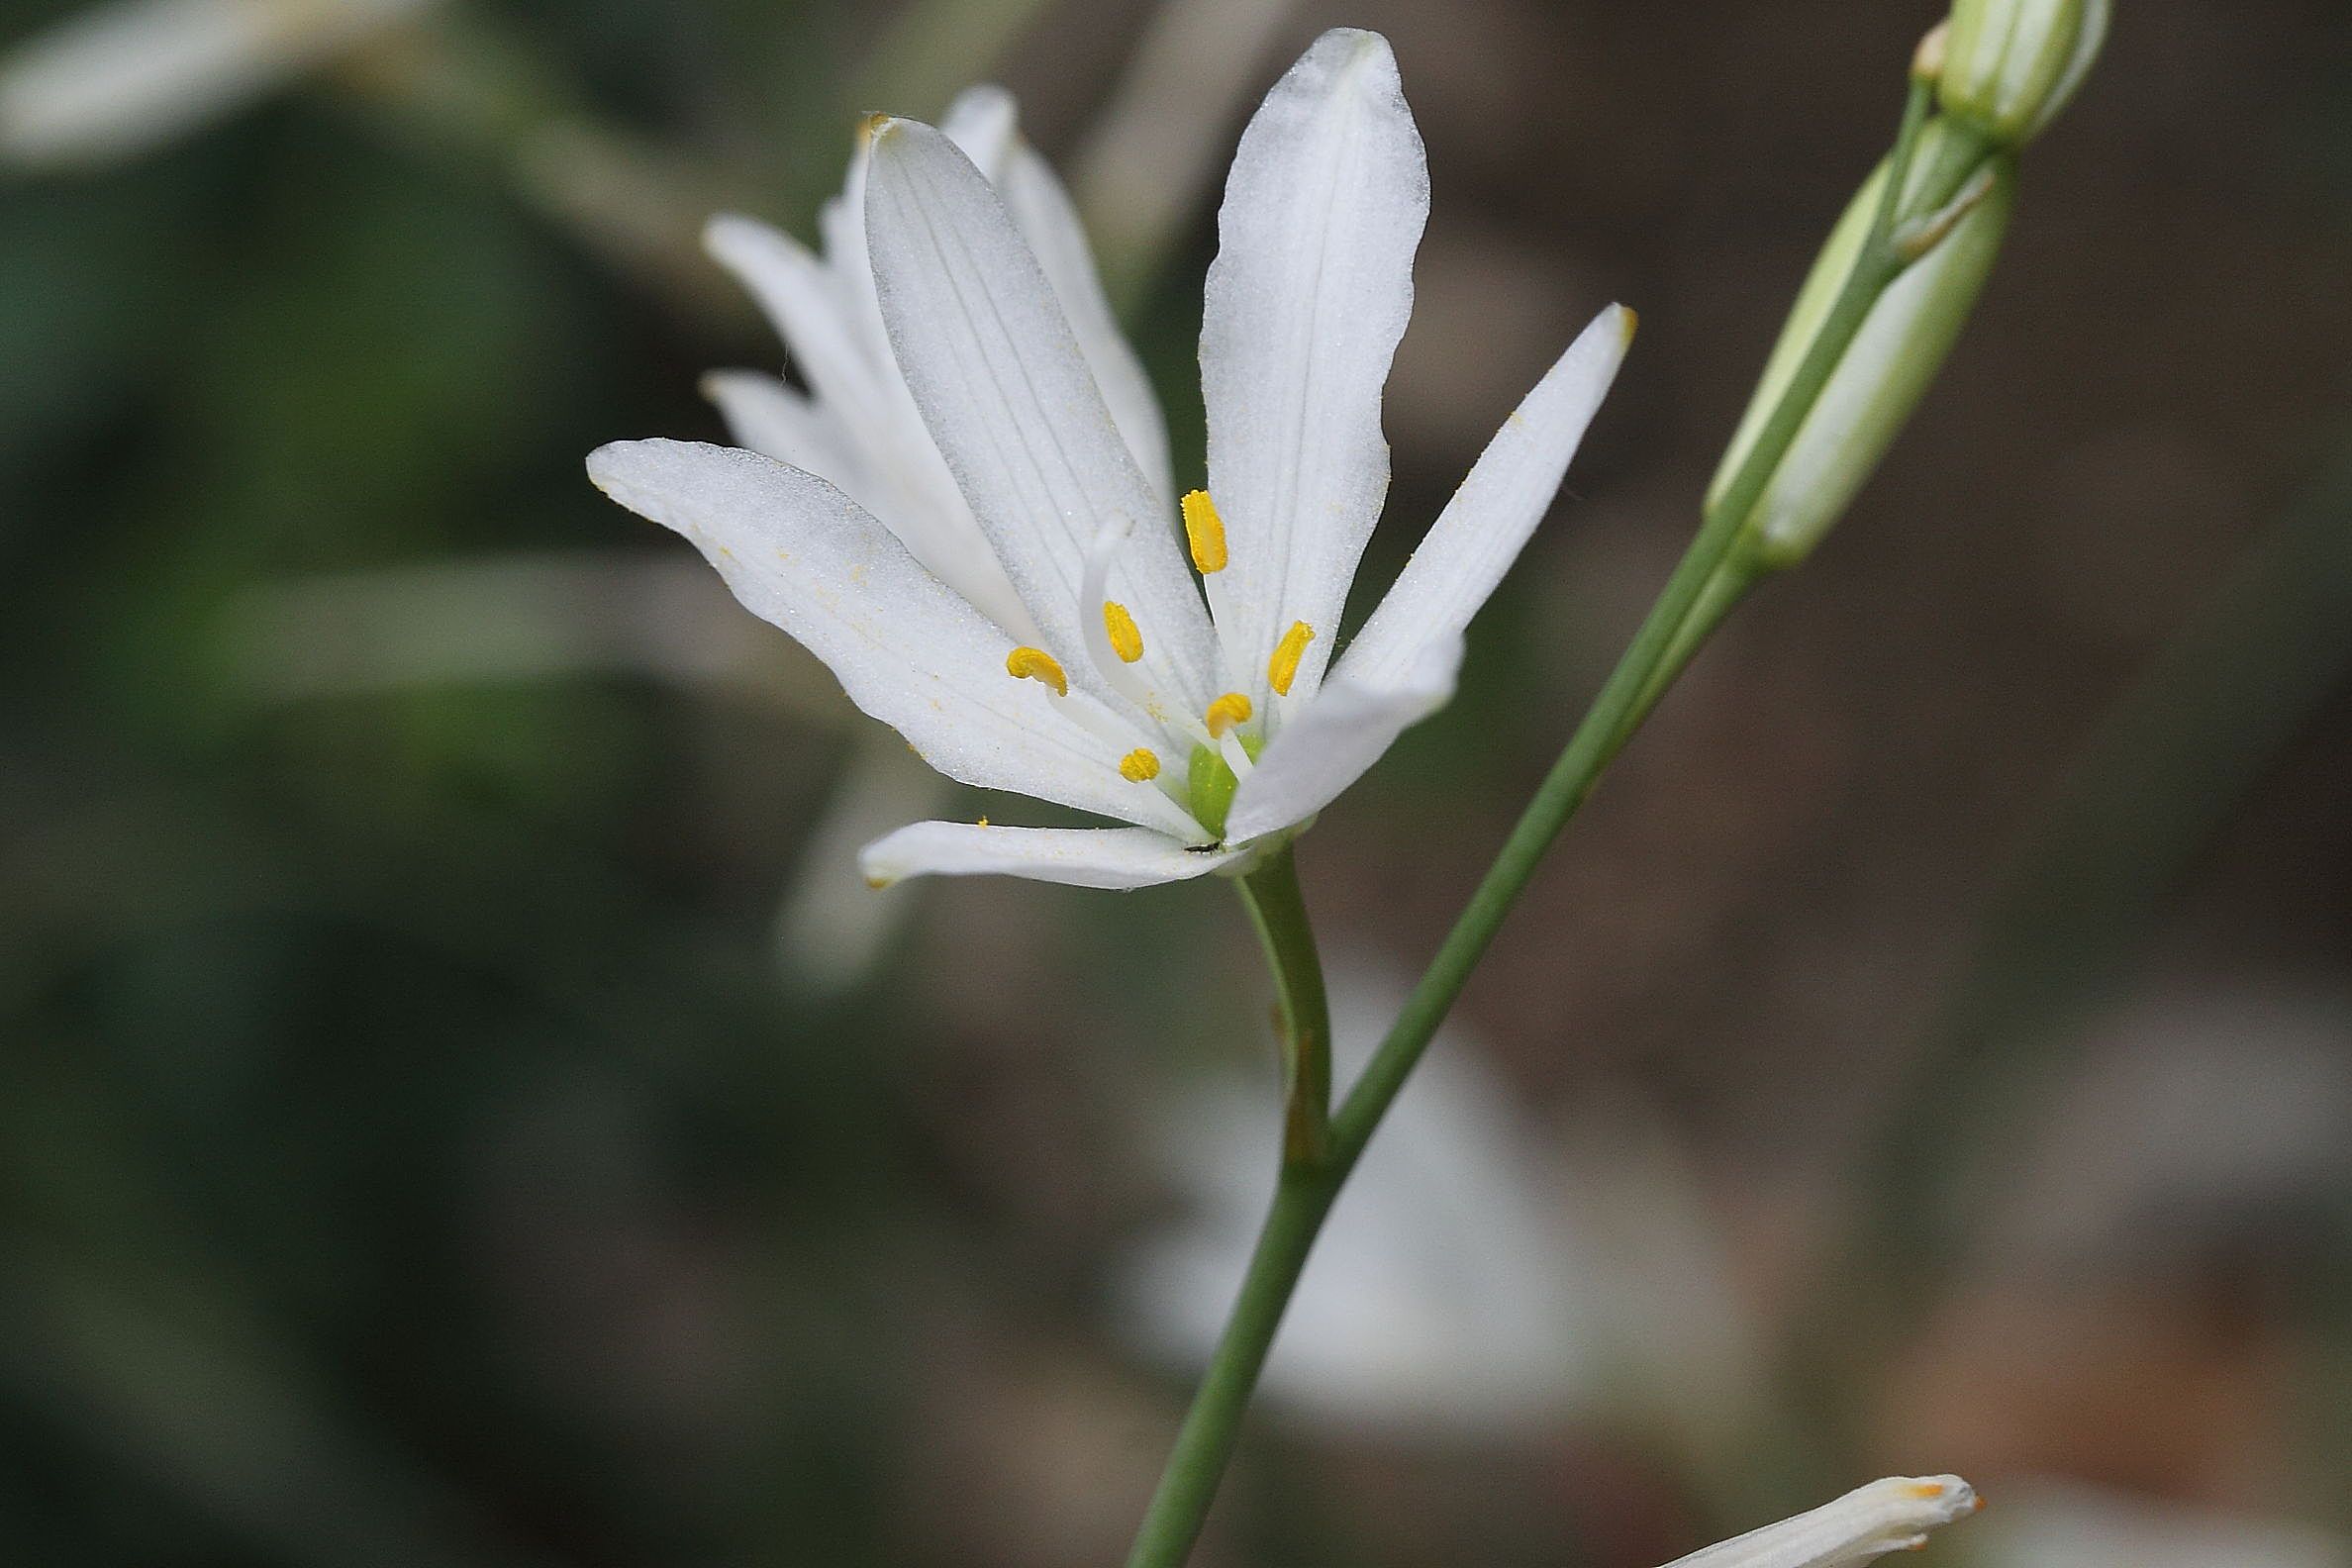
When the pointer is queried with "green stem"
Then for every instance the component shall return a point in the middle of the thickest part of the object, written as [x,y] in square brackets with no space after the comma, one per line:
[1305,1190]
[1278,908]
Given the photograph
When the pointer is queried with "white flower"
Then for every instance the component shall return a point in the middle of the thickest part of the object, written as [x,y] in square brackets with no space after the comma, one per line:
[1212,730]
[1893,1514]
[120,78]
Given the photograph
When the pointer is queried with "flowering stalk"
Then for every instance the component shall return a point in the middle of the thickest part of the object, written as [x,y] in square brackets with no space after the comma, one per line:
[1278,910]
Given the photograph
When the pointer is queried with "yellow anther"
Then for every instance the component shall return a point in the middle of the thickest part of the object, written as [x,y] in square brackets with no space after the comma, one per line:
[1126,639]
[1029,663]
[1227,710]
[1139,766]
[1283,667]
[1203,531]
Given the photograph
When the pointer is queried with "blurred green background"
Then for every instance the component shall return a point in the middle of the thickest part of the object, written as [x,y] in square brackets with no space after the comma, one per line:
[457,1108]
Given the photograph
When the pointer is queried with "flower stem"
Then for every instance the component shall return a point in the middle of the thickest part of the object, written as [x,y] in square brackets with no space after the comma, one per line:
[1279,911]
[1691,604]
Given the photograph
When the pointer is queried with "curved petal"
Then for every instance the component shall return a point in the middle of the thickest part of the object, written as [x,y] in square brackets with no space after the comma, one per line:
[802,557]
[1096,858]
[1001,382]
[1491,517]
[1331,741]
[1308,296]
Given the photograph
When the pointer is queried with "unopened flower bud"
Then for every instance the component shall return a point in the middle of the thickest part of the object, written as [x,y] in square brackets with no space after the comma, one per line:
[1882,373]
[2010,66]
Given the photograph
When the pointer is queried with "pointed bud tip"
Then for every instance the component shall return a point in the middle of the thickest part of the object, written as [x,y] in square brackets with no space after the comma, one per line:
[1927,60]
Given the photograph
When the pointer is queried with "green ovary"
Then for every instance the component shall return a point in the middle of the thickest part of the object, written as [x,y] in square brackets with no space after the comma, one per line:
[1209,783]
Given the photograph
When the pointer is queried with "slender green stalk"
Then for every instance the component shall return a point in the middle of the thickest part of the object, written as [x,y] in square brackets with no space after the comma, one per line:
[1658,651]
[1648,664]
[1278,908]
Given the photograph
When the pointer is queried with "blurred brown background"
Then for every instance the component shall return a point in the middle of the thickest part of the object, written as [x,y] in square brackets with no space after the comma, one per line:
[426,1141]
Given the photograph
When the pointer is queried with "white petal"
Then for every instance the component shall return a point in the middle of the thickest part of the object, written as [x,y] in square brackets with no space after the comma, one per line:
[1007,396]
[810,312]
[1491,517]
[1867,1523]
[802,557]
[117,79]
[1096,858]
[1308,296]
[1042,210]
[1331,741]
[781,421]
[830,323]
[981,124]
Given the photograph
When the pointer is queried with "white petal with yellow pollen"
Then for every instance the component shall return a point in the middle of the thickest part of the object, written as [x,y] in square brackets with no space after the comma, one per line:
[1330,743]
[1304,303]
[1893,1514]
[802,556]
[1094,857]
[1491,517]
[1001,381]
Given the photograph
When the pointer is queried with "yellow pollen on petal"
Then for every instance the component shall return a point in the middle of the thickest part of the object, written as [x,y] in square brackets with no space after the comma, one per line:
[1227,710]
[1929,1489]
[1029,663]
[1139,766]
[1283,667]
[1126,639]
[1203,531]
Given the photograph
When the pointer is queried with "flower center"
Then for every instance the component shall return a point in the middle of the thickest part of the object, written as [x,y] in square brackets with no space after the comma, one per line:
[1209,782]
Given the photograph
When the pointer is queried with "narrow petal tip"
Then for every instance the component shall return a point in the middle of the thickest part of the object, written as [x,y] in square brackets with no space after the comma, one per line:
[1628,321]
[608,461]
[722,229]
